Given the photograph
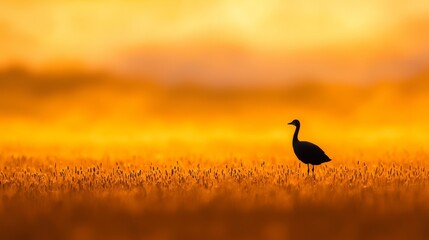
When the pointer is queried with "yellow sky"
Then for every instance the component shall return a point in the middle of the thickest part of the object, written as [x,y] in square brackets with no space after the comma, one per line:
[227,39]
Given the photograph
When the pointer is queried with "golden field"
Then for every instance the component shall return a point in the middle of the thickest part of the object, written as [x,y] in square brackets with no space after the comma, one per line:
[191,197]
[94,156]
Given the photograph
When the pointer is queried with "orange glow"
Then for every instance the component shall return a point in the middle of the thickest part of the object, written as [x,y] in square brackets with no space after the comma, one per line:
[273,41]
[213,71]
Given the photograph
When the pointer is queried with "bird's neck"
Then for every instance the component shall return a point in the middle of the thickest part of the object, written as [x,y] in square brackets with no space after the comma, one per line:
[295,135]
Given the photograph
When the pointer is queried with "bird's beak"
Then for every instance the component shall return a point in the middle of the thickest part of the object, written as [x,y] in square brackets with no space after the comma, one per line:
[290,123]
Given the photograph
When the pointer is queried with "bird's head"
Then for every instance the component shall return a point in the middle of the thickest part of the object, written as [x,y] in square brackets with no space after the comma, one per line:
[295,123]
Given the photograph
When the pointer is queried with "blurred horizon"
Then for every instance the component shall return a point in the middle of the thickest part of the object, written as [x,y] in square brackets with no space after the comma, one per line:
[96,110]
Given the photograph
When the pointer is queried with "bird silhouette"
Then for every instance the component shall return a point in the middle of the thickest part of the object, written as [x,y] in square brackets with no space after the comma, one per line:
[307,152]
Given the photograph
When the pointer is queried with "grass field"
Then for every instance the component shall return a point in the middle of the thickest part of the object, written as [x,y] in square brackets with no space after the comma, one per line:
[192,197]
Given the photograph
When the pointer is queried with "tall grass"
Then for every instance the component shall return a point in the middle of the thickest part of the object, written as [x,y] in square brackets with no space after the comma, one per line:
[193,197]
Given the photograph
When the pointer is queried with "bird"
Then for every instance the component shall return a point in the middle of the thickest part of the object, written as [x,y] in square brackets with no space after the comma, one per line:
[307,152]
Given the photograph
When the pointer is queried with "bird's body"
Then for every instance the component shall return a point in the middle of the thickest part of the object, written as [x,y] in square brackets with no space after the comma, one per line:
[307,152]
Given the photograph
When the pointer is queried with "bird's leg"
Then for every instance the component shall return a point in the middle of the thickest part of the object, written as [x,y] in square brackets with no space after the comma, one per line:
[308,169]
[313,170]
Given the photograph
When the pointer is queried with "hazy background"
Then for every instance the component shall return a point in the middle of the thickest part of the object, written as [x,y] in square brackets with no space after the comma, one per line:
[214,76]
